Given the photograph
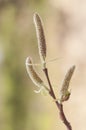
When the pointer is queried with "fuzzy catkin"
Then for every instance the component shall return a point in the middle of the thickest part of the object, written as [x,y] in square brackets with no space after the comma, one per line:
[40,37]
[65,85]
[33,74]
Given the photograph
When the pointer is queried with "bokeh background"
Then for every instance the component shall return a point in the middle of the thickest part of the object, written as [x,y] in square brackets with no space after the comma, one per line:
[65,30]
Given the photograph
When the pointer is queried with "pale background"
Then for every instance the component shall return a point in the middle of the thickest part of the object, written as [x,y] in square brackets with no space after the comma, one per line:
[65,30]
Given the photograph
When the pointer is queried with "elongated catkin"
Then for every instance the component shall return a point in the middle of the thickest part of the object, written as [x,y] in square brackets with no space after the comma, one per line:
[40,36]
[64,93]
[33,74]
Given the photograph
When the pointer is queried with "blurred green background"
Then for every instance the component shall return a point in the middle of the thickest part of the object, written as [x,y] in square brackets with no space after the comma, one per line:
[20,107]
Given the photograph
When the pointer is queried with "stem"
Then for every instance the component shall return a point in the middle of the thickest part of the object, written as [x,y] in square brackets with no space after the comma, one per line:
[51,89]
[63,118]
[60,106]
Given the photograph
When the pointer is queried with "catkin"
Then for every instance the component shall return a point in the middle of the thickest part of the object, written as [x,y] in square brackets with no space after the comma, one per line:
[66,81]
[33,74]
[40,37]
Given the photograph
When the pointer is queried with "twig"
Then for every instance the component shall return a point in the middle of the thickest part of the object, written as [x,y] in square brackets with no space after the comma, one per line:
[64,92]
[60,106]
[63,117]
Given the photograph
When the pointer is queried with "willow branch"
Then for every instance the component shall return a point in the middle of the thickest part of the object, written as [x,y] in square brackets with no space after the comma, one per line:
[65,94]
[60,106]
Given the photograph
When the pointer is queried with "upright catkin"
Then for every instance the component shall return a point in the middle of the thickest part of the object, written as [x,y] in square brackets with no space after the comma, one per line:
[40,37]
[65,85]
